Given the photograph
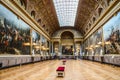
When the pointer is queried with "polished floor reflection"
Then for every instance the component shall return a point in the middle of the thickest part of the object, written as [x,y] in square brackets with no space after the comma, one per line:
[75,70]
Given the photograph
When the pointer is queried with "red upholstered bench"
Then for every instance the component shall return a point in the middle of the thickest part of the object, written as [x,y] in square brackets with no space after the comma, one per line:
[60,71]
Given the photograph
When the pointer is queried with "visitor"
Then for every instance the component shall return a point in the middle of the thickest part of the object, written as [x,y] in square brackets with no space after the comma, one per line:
[76,55]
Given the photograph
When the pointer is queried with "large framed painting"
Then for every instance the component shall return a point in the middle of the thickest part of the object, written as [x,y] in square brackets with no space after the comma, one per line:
[44,46]
[91,45]
[36,42]
[111,32]
[14,33]
[44,41]
[97,39]
[86,47]
[94,43]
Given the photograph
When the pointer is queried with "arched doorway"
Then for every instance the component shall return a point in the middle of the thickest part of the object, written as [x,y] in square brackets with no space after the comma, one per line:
[67,43]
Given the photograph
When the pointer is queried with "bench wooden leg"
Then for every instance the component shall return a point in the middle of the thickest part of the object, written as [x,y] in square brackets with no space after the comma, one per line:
[60,73]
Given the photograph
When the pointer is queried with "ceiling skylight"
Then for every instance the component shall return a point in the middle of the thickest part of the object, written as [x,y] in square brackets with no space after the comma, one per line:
[66,11]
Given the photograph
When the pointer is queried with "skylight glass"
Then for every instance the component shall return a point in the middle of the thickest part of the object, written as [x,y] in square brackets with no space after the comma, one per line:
[66,11]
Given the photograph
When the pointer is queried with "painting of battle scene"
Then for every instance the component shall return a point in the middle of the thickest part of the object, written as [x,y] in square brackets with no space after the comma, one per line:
[44,45]
[13,33]
[89,50]
[111,32]
[93,45]
[44,41]
[97,39]
[67,50]
[82,49]
[36,43]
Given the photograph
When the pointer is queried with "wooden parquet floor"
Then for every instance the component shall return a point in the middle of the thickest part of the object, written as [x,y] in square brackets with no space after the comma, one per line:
[75,70]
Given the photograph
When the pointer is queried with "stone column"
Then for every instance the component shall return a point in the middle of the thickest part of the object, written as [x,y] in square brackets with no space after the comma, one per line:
[49,47]
[52,47]
[31,41]
[60,47]
[74,46]
[40,43]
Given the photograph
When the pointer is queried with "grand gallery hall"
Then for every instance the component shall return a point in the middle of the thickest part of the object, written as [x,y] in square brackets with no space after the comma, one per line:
[59,39]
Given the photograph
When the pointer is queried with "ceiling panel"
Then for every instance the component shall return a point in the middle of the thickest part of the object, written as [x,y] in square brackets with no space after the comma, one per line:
[66,11]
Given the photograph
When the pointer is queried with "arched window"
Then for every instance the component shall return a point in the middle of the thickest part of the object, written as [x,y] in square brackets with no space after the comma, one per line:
[67,35]
[89,25]
[39,21]
[23,4]
[43,26]
[86,28]
[33,14]
[47,30]
[94,19]
[100,11]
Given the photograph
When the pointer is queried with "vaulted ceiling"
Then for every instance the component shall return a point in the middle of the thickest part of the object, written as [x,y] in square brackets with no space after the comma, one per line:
[85,11]
[45,11]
